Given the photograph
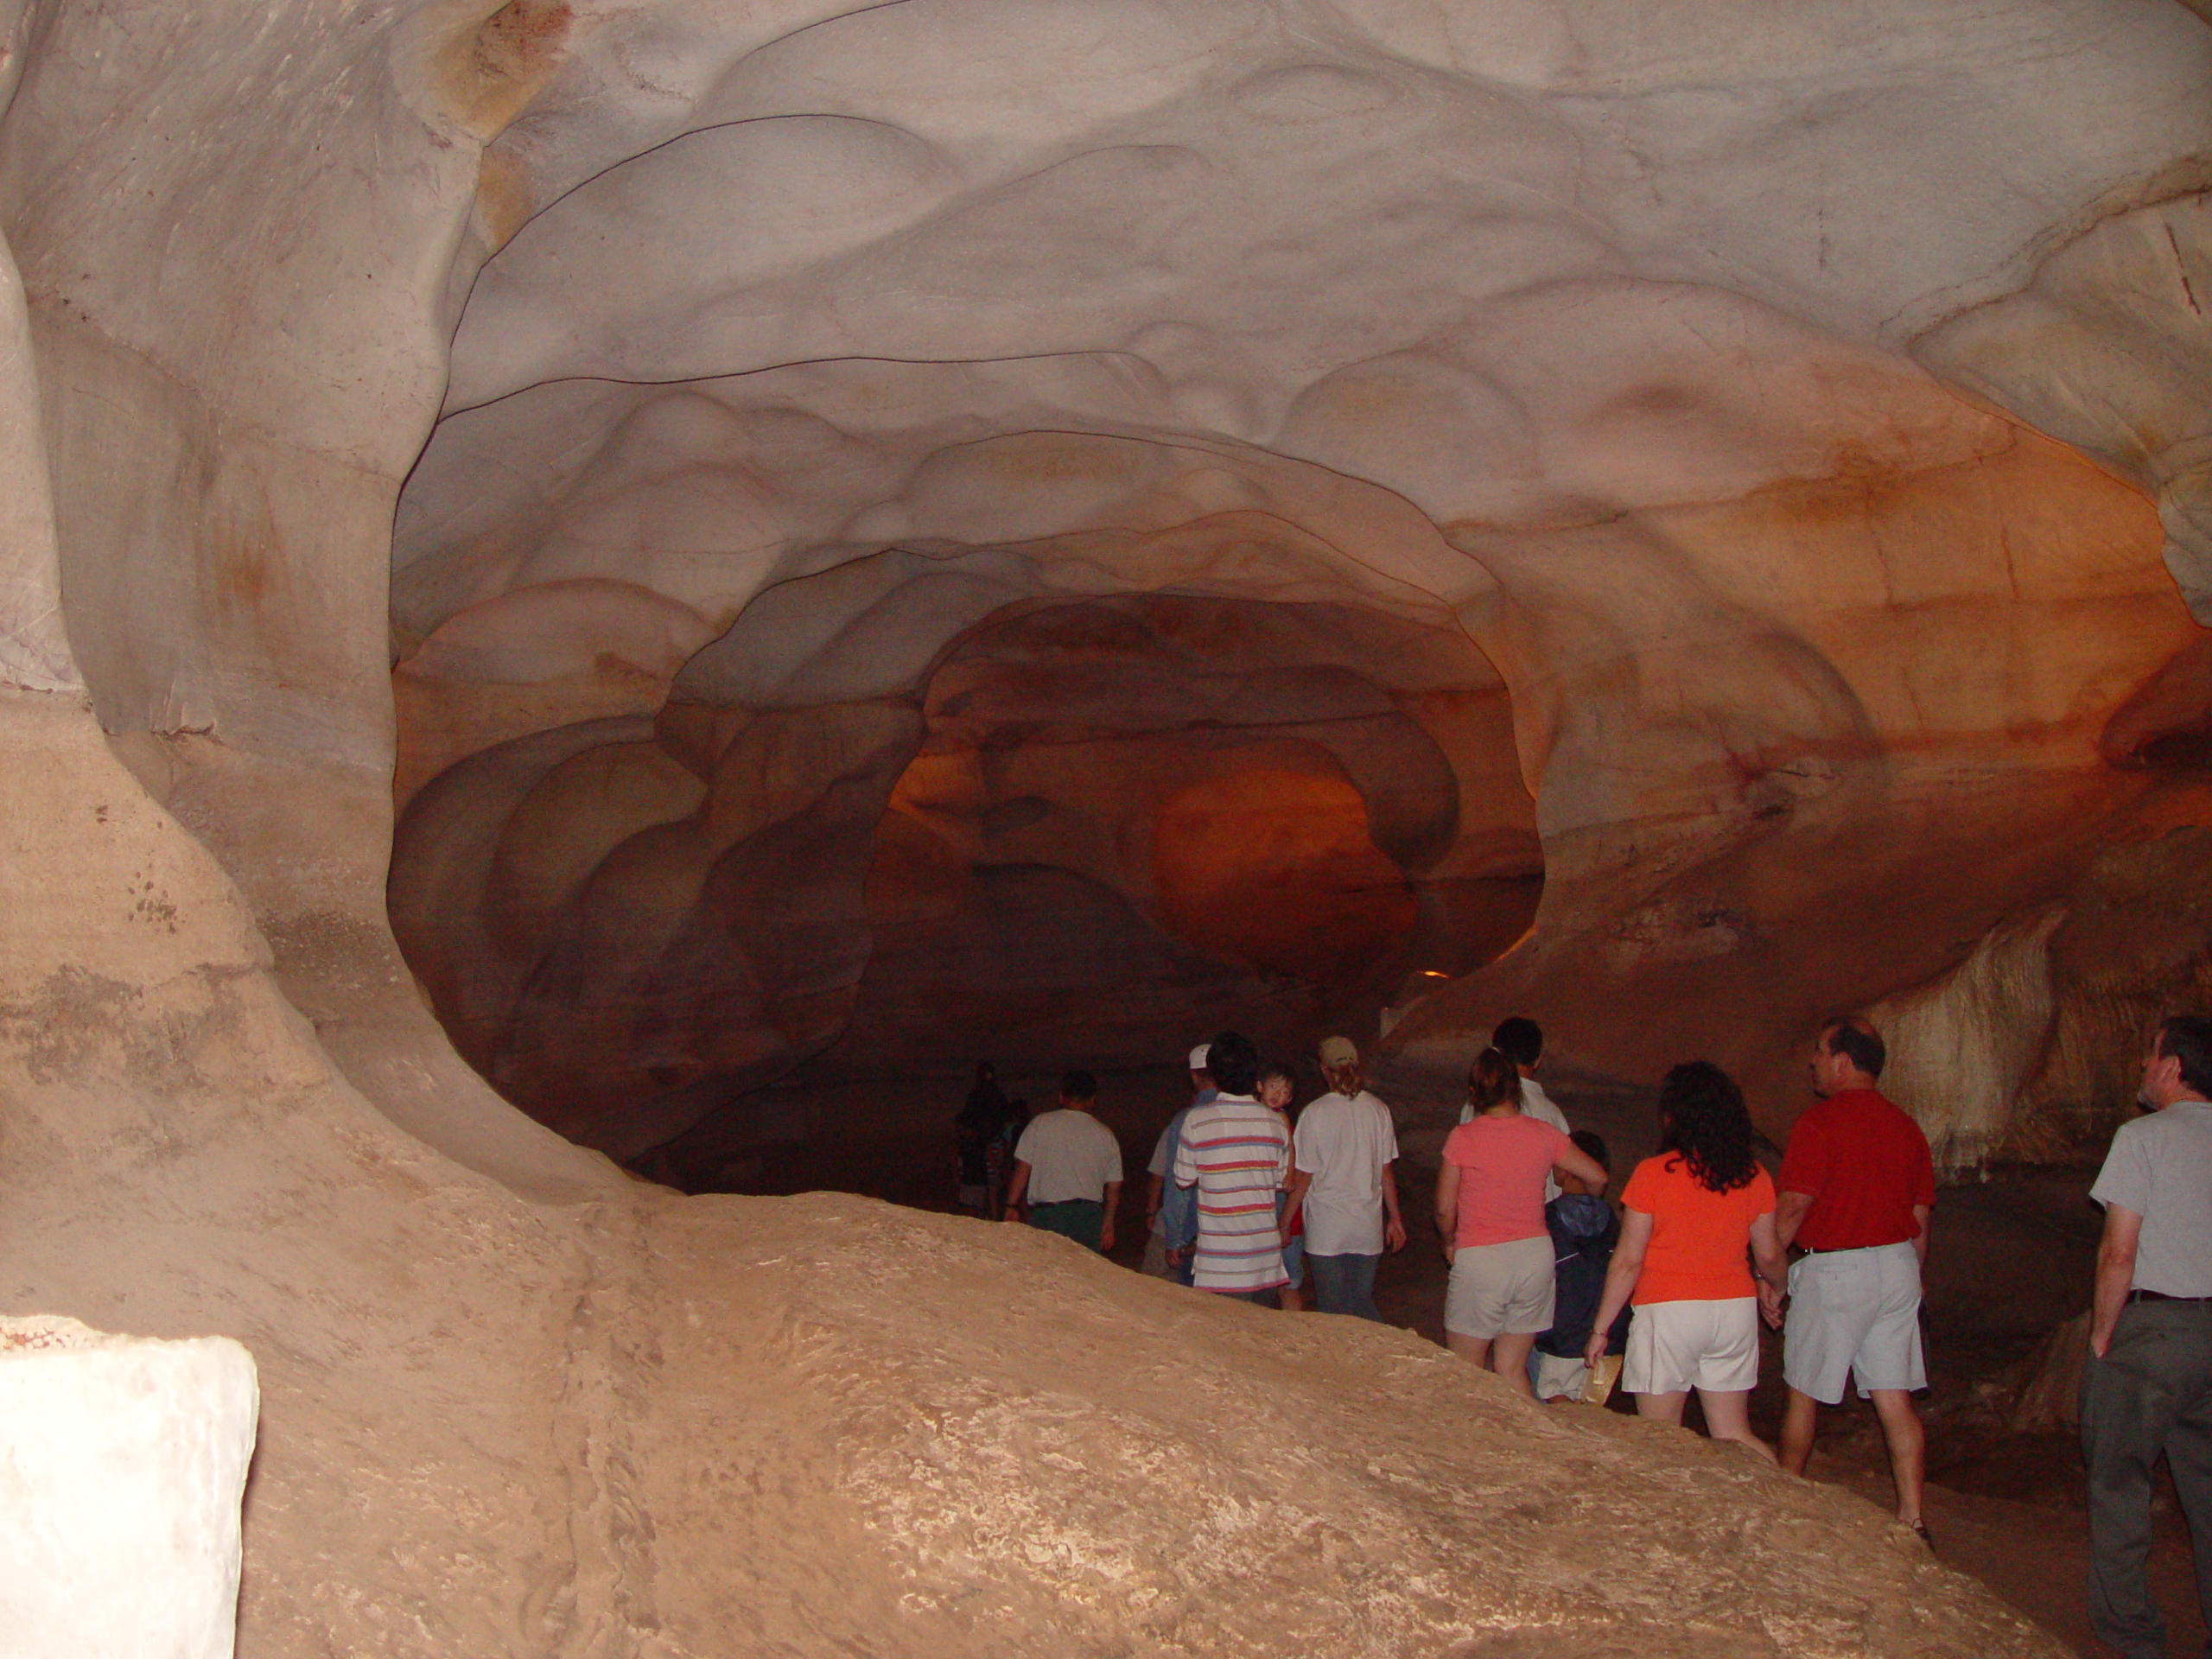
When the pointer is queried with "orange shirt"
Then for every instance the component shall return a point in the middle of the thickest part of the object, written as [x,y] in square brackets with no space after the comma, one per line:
[1699,1238]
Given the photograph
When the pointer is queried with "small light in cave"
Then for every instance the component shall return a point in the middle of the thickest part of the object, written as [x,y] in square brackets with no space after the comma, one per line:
[1434,973]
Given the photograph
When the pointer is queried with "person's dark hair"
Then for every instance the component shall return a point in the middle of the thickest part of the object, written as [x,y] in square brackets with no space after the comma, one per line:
[2188,1038]
[1520,1039]
[1079,1085]
[1857,1041]
[1234,1063]
[1592,1144]
[1493,1081]
[1701,1116]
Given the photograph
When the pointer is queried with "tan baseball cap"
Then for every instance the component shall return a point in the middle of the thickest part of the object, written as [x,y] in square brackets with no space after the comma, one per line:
[1339,1050]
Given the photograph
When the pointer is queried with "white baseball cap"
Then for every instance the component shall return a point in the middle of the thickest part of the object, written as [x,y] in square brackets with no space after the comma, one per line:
[1198,1056]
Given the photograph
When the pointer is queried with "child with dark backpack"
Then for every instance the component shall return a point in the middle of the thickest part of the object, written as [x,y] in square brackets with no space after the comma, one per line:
[1584,1229]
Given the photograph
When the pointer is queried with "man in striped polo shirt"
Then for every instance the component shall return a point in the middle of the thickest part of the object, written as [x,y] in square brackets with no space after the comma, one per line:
[1237,1154]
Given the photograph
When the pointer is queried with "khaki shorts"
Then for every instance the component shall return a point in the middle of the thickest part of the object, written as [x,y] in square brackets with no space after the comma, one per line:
[1501,1289]
[1854,1313]
[1676,1346]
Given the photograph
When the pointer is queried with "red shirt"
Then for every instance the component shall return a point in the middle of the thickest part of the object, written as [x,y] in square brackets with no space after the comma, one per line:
[1864,1165]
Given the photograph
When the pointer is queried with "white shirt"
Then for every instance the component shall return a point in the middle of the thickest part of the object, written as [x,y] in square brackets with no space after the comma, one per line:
[1344,1142]
[1535,1103]
[1071,1155]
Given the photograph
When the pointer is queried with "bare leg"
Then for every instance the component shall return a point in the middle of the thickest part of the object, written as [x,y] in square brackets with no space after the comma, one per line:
[1471,1348]
[1662,1407]
[1509,1359]
[1728,1417]
[1293,1299]
[1798,1432]
[1907,1443]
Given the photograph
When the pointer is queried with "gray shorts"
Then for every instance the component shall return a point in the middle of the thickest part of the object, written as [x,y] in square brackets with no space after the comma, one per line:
[1854,1313]
[1501,1289]
[1555,1378]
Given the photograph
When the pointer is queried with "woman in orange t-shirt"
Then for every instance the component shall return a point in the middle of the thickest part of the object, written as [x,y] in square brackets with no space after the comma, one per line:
[1692,1214]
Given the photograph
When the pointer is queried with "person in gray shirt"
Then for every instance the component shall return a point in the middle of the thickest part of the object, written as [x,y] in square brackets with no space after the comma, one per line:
[2148,1385]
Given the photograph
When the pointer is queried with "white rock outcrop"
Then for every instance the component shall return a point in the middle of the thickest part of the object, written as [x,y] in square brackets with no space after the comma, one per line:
[122,1464]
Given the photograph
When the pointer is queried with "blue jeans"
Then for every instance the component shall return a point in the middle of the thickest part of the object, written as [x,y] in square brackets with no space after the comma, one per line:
[1344,1284]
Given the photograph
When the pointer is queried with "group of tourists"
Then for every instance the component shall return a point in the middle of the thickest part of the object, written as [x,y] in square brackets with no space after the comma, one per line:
[1549,1279]
[1701,1250]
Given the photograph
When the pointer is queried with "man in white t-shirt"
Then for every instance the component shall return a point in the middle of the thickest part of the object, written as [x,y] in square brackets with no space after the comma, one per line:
[1521,1041]
[1346,1150]
[1068,1166]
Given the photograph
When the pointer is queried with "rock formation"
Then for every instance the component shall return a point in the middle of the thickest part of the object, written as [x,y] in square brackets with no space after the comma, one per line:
[883,524]
[121,1466]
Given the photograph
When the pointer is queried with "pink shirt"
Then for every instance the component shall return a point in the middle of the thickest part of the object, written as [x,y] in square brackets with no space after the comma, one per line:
[1503,1162]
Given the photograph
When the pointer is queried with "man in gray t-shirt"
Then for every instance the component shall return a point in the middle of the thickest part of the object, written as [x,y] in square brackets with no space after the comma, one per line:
[2148,1385]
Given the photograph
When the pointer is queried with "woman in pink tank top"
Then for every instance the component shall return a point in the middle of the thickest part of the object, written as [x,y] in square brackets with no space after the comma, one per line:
[1489,1214]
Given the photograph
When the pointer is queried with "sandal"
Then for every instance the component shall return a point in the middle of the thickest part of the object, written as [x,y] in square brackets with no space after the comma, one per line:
[1920,1531]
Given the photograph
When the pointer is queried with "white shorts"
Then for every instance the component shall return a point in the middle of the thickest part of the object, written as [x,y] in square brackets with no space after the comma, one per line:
[1854,1313]
[1555,1378]
[1676,1346]
[1501,1289]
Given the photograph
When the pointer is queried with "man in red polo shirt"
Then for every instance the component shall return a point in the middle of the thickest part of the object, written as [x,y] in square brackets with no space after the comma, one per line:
[1855,1192]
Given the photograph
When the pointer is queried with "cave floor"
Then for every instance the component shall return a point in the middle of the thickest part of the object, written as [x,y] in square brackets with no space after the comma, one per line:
[2011,1260]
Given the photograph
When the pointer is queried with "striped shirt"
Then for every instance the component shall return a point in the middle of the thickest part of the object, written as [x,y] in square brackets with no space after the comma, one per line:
[1237,1153]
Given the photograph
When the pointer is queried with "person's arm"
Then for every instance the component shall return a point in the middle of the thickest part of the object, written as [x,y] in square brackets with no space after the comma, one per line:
[1448,1205]
[1186,1171]
[1621,1274]
[1772,1266]
[1155,1191]
[1014,1189]
[1789,1211]
[1295,1186]
[1583,1168]
[2115,1273]
[1393,1225]
[1113,1202]
[1920,1239]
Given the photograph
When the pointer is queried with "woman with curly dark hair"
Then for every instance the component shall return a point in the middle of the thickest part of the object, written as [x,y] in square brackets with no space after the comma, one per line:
[1694,1213]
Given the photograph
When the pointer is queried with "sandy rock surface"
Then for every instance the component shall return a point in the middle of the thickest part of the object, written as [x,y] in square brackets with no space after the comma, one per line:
[920,1434]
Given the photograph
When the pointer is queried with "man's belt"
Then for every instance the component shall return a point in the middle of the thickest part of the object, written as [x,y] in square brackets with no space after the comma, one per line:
[2161,1296]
